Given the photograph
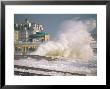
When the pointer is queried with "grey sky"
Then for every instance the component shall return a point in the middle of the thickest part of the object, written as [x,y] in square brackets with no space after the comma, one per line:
[51,22]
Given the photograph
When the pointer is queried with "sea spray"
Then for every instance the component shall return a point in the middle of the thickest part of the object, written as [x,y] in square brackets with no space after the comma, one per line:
[73,41]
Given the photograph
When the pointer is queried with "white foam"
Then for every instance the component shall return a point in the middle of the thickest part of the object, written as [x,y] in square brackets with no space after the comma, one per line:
[73,41]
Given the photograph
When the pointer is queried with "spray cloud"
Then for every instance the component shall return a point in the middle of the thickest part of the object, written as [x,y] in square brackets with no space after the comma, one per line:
[73,41]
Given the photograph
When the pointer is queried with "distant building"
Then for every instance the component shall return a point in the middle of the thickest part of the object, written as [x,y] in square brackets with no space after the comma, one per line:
[30,32]
[27,37]
[16,36]
[94,34]
[94,41]
[39,36]
[23,35]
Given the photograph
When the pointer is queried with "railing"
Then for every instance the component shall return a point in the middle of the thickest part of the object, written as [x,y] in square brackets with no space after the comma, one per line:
[26,43]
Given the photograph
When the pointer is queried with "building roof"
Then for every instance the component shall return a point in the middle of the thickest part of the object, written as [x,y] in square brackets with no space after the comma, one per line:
[41,33]
[38,34]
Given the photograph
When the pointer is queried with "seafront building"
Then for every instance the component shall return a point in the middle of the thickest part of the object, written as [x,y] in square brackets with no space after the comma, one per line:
[94,41]
[27,37]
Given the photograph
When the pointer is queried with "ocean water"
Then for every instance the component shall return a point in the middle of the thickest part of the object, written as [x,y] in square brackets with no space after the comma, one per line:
[56,67]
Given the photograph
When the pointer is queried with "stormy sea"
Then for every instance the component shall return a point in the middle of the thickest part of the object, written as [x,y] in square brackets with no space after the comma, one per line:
[69,54]
[46,66]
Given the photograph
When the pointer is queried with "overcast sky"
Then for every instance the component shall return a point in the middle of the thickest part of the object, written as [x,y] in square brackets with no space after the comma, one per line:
[51,22]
